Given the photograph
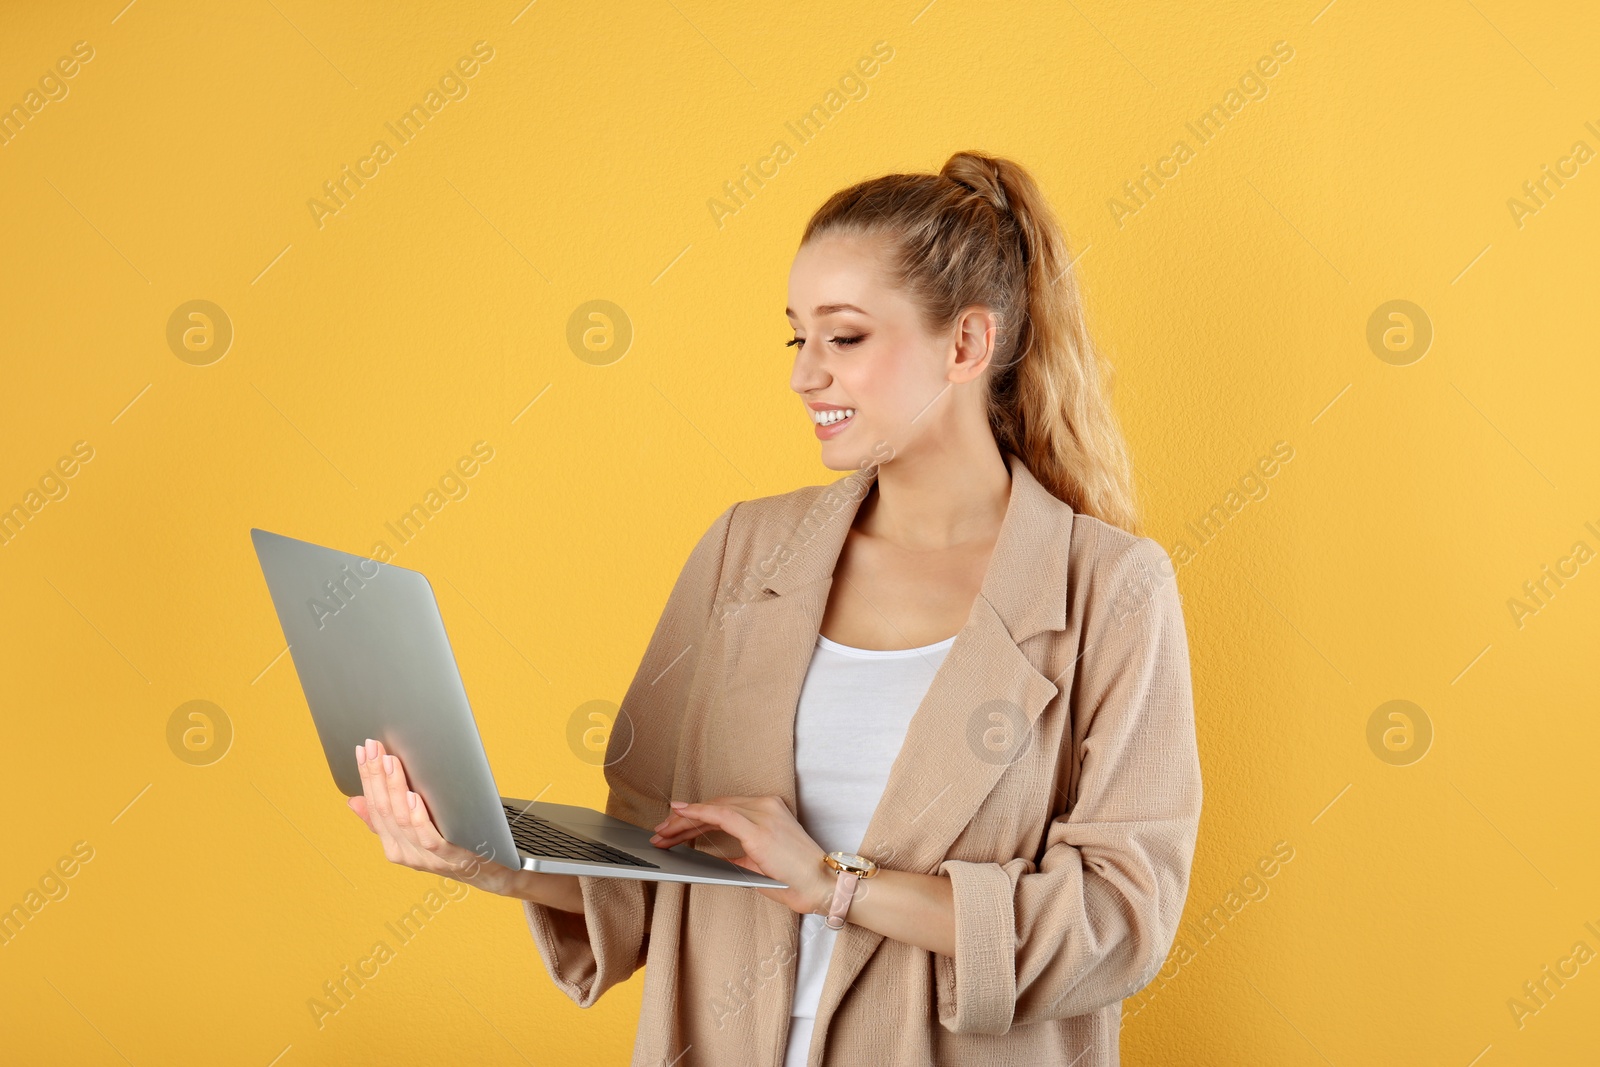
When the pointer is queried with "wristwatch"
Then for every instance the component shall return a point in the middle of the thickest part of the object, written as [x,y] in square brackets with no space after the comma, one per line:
[851,869]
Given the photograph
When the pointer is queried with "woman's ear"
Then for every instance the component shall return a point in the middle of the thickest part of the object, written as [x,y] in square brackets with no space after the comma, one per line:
[978,336]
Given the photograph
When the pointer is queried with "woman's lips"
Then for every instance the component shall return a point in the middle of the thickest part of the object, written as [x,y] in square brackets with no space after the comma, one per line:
[833,429]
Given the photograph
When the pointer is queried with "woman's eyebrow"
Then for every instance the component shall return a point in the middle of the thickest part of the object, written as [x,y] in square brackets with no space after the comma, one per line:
[828,309]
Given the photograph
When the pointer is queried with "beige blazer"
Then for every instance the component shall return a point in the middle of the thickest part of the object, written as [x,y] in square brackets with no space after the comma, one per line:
[1050,772]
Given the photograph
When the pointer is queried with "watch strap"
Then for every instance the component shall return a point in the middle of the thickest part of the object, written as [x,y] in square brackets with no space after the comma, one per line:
[844,890]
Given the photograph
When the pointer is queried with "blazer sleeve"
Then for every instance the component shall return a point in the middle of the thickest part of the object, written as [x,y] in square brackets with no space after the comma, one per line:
[1094,922]
[588,954]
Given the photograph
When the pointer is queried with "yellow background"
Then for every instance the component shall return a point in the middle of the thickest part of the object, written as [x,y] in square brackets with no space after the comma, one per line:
[369,354]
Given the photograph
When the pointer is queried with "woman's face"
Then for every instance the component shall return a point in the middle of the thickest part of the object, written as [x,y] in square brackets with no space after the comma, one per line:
[861,351]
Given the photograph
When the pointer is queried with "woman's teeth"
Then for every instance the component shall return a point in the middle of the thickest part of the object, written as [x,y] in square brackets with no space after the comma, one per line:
[827,418]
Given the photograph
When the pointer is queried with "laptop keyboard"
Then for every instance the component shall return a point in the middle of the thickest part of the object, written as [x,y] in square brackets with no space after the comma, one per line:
[540,838]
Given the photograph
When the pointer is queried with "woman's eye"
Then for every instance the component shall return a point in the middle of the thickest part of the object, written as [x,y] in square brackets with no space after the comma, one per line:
[843,342]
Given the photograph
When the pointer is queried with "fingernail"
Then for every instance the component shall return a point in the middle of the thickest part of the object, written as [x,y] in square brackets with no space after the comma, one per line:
[411,798]
[388,763]
[659,825]
[372,749]
[680,803]
[361,755]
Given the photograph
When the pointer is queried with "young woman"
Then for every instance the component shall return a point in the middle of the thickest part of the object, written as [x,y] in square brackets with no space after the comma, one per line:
[946,698]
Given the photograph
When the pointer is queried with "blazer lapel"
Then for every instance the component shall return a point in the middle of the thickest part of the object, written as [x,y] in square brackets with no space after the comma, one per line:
[770,635]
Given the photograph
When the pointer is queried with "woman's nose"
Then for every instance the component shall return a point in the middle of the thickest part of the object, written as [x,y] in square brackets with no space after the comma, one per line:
[808,374]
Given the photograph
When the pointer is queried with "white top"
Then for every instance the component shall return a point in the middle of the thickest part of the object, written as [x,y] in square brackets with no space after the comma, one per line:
[853,711]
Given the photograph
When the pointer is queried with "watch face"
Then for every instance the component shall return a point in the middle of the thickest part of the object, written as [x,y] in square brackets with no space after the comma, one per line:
[851,862]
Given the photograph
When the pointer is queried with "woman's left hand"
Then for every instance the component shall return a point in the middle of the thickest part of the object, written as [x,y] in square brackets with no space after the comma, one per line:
[774,843]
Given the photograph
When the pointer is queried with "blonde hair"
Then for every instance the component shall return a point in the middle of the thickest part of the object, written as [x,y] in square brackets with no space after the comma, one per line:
[980,232]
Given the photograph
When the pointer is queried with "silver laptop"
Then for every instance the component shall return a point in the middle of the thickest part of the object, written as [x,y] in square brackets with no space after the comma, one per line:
[369,645]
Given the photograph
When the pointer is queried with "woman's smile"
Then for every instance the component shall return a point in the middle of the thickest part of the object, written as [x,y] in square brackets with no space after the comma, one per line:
[831,421]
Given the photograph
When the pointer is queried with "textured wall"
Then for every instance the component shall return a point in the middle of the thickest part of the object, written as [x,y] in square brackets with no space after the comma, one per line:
[1369,501]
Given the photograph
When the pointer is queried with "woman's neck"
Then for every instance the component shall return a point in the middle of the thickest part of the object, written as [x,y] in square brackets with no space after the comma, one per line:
[938,501]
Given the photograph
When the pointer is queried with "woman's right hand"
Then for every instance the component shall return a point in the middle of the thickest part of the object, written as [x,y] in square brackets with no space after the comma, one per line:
[400,819]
